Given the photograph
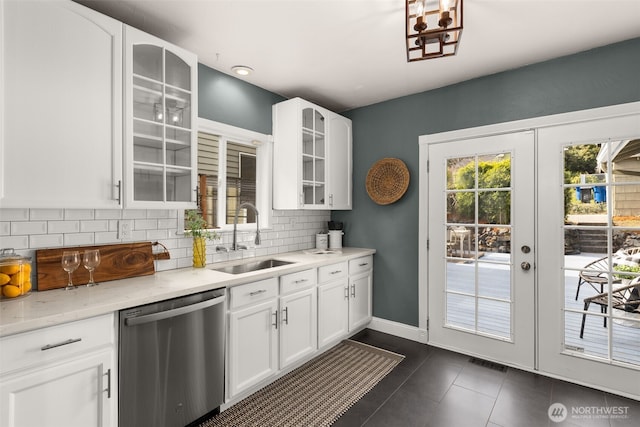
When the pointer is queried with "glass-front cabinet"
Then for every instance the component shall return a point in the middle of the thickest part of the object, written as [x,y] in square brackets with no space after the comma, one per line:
[313,157]
[314,144]
[160,114]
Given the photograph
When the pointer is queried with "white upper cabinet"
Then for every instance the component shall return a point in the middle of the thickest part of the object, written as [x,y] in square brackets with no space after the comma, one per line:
[340,162]
[160,118]
[314,144]
[61,119]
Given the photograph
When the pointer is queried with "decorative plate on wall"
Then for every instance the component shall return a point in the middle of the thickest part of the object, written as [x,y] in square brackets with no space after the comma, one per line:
[387,180]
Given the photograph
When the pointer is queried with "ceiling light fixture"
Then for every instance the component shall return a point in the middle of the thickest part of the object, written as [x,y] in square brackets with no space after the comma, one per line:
[433,32]
[242,70]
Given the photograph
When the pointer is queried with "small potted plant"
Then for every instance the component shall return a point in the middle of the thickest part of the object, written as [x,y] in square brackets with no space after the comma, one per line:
[196,227]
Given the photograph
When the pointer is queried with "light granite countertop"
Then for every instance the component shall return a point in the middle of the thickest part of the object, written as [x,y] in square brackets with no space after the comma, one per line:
[48,308]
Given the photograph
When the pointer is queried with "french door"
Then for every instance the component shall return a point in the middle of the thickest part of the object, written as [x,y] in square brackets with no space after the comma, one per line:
[591,333]
[516,221]
[481,247]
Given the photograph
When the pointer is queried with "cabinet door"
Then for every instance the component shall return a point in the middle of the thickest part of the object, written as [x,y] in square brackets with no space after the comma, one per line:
[299,326]
[333,312]
[61,133]
[300,138]
[340,162]
[253,352]
[359,301]
[314,157]
[160,118]
[75,393]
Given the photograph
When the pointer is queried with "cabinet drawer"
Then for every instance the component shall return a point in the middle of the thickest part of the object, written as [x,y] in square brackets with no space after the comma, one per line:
[332,272]
[253,292]
[55,342]
[296,281]
[361,264]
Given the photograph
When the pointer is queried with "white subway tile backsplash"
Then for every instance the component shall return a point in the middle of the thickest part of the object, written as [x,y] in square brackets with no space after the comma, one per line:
[79,214]
[157,234]
[110,237]
[78,239]
[16,242]
[145,224]
[27,230]
[138,236]
[46,241]
[46,214]
[94,226]
[30,227]
[14,214]
[134,214]
[108,214]
[171,223]
[158,213]
[63,226]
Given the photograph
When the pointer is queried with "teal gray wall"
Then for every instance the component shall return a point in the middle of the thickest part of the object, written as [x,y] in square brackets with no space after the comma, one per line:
[595,78]
[232,101]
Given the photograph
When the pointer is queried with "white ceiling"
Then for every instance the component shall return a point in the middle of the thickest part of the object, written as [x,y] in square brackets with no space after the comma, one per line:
[344,54]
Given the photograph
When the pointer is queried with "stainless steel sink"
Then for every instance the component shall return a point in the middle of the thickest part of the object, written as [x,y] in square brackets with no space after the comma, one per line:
[252,266]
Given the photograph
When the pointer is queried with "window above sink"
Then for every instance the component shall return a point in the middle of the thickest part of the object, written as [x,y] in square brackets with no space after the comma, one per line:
[234,166]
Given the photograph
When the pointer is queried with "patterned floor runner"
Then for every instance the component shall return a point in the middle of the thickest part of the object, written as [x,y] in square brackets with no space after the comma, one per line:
[315,394]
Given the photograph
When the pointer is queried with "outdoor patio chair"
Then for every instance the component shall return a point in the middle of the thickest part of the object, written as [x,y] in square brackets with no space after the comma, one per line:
[595,273]
[626,298]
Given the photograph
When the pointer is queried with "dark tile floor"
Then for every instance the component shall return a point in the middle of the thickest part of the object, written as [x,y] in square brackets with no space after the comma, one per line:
[432,387]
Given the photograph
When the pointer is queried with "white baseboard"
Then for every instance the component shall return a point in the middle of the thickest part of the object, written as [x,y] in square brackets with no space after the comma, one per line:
[401,330]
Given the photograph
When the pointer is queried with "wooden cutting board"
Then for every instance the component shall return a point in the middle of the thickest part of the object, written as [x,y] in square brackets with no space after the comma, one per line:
[118,261]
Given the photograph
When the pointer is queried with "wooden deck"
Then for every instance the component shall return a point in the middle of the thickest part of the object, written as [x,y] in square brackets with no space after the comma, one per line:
[493,316]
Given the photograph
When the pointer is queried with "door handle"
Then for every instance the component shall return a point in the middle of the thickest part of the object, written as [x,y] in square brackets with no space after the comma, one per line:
[525,266]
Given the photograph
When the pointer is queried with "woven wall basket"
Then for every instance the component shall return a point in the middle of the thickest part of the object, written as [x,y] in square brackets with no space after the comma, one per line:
[387,180]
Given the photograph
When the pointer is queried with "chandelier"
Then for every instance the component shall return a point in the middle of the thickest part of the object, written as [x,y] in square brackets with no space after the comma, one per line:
[433,28]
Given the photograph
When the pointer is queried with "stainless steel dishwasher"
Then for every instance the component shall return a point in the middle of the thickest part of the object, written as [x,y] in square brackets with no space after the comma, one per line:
[171,361]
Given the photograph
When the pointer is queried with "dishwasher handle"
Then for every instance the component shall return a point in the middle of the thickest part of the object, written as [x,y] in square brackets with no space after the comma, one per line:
[161,315]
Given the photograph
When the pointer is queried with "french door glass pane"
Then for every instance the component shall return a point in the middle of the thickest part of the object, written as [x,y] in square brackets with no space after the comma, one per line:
[479,277]
[602,249]
[461,173]
[494,317]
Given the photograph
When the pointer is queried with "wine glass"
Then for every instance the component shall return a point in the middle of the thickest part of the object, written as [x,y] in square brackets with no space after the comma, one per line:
[70,261]
[91,260]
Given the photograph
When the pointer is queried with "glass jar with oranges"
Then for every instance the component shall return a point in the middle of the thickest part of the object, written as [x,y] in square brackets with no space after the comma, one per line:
[15,275]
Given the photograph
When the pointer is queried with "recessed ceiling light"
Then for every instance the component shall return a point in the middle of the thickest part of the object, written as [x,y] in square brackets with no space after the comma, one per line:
[242,70]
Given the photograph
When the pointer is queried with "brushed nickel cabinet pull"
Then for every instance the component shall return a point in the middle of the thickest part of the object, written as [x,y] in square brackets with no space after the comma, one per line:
[336,272]
[353,290]
[119,192]
[346,291]
[285,320]
[258,292]
[60,344]
[108,389]
[275,313]
[300,281]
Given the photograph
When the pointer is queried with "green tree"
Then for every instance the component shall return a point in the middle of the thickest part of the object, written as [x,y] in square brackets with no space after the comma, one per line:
[580,159]
[494,207]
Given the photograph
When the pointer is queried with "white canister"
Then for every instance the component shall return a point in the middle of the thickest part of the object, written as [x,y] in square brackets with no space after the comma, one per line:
[322,241]
[335,239]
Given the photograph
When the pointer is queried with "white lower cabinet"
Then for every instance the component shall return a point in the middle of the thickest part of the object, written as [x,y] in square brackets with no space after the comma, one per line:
[298,318]
[360,284]
[278,323]
[344,299]
[59,376]
[253,334]
[333,303]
